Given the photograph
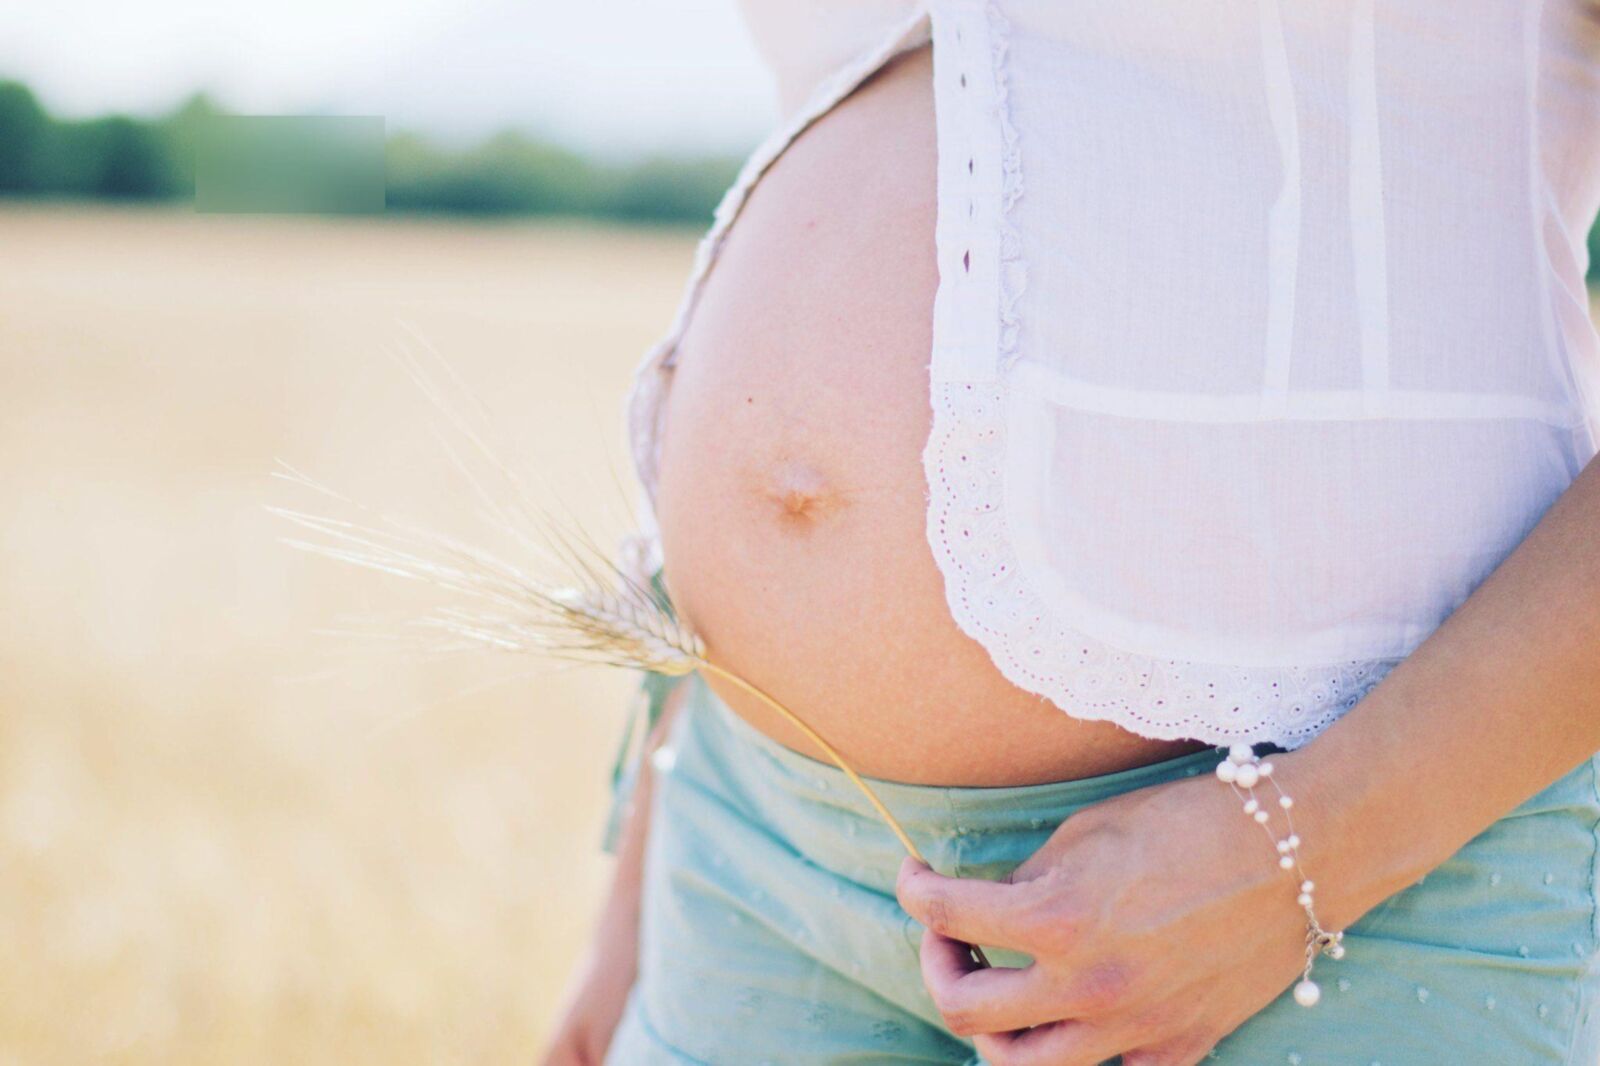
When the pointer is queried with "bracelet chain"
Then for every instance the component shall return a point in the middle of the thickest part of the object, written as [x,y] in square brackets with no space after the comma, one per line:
[1242,770]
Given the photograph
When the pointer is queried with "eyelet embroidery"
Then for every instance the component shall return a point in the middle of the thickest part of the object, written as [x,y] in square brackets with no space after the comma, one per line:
[991,598]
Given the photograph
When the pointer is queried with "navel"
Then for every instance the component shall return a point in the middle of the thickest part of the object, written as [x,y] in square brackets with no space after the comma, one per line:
[799,494]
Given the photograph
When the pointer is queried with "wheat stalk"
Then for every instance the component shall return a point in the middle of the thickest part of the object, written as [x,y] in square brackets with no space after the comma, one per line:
[621,625]
[601,614]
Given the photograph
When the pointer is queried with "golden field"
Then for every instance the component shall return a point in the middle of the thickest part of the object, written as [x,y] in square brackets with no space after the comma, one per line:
[227,837]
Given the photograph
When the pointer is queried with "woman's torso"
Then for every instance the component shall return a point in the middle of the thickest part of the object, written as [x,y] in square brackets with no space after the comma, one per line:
[793,497]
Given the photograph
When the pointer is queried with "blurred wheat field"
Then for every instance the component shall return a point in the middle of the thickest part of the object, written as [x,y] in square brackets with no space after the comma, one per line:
[225,838]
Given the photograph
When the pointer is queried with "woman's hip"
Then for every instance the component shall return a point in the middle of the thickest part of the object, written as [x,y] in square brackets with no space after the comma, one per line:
[770,930]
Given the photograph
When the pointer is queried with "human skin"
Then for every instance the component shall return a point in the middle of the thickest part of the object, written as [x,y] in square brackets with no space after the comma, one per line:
[792,508]
[1141,951]
[792,499]
[598,989]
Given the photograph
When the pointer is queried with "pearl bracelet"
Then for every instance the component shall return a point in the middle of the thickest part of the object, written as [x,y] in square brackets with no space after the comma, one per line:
[1242,770]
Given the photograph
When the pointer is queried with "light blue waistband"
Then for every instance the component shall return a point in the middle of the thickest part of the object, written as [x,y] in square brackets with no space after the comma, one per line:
[769,774]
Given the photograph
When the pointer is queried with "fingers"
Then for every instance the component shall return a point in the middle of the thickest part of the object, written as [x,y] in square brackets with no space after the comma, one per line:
[973,999]
[1015,1015]
[969,909]
[1066,1043]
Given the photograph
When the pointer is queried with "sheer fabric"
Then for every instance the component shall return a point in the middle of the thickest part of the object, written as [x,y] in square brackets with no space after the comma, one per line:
[1261,335]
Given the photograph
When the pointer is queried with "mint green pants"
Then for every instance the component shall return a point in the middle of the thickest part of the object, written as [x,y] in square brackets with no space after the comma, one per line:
[771,934]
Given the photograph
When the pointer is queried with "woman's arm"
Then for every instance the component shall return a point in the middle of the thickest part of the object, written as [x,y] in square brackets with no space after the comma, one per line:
[1133,958]
[598,989]
[1500,701]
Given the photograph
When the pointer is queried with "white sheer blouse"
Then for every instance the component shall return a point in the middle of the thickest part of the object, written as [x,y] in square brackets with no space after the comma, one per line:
[1261,335]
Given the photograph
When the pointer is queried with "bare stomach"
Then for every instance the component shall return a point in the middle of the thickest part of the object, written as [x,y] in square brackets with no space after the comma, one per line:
[791,496]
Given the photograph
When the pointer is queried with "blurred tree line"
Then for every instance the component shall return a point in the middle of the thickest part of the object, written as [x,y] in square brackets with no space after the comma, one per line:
[121,158]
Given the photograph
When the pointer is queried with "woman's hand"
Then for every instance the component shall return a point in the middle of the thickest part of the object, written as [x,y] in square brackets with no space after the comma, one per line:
[1158,921]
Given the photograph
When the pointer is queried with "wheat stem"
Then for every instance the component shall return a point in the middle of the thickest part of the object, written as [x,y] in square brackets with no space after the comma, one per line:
[606,614]
[839,761]
[816,738]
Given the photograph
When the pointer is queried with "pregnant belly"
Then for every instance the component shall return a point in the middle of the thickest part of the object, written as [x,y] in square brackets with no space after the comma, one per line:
[791,495]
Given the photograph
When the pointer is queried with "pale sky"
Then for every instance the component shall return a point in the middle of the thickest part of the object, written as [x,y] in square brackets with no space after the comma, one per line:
[616,76]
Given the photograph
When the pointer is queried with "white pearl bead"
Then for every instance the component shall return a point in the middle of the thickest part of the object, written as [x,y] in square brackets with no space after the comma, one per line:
[1285,802]
[1294,840]
[1335,951]
[1283,847]
[1246,775]
[1241,754]
[1308,886]
[1304,899]
[1287,862]
[1251,806]
[1306,993]
[1262,816]
[1226,772]
[1264,768]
